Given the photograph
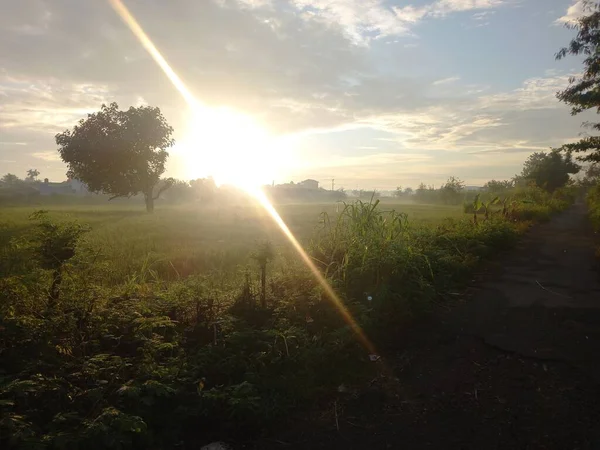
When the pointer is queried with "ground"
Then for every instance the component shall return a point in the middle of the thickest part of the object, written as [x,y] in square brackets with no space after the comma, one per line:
[515,366]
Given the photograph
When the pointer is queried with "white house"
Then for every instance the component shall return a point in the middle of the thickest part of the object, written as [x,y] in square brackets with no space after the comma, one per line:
[69,187]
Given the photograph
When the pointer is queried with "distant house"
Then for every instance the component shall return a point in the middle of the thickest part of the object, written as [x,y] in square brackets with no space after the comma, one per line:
[78,187]
[309,184]
[69,187]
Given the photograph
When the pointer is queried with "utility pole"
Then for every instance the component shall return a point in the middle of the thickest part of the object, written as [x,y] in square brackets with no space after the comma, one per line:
[332,183]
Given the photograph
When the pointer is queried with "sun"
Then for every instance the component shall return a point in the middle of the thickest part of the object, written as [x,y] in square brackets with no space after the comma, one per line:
[232,148]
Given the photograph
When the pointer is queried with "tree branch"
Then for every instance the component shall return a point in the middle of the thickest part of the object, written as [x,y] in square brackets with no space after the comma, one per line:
[121,195]
[167,184]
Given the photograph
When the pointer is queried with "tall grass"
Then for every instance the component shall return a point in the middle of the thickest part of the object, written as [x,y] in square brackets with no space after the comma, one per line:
[136,352]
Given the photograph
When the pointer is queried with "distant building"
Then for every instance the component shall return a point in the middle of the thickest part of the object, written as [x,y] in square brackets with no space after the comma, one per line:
[78,187]
[69,187]
[473,188]
[309,184]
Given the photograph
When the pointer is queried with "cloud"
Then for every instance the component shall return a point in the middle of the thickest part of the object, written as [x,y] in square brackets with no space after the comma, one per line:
[574,12]
[484,15]
[364,20]
[522,120]
[297,66]
[50,155]
[446,81]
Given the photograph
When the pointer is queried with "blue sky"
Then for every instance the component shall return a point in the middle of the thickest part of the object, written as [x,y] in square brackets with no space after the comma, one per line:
[373,93]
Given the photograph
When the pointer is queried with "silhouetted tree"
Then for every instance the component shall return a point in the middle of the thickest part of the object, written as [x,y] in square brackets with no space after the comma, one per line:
[549,171]
[10,179]
[32,174]
[120,153]
[583,92]
[451,192]
[498,187]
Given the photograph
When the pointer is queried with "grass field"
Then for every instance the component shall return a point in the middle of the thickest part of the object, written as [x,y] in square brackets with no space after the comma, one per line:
[173,329]
[178,241]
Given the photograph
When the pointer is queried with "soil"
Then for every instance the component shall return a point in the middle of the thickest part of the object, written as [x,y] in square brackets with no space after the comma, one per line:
[514,366]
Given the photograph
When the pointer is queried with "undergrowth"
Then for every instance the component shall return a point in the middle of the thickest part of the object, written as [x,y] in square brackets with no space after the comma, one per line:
[593,203]
[150,363]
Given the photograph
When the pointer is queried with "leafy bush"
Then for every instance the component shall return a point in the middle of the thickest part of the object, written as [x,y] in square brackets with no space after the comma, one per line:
[146,363]
[593,201]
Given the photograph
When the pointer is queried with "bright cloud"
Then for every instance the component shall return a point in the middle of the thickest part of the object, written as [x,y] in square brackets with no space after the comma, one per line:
[574,12]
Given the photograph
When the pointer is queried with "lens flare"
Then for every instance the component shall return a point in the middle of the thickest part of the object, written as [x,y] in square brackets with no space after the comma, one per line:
[137,30]
[266,204]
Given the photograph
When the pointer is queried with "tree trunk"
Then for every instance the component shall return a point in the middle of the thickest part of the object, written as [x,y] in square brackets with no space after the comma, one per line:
[149,202]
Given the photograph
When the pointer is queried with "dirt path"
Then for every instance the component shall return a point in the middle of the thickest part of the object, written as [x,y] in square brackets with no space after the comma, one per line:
[516,367]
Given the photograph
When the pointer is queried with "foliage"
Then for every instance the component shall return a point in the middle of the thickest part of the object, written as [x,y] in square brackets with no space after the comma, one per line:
[498,187]
[593,201]
[10,179]
[134,355]
[583,92]
[121,153]
[549,171]
[15,190]
[32,174]
[450,193]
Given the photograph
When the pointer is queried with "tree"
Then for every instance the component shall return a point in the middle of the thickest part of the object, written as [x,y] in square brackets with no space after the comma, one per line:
[583,92]
[451,191]
[120,153]
[408,191]
[398,192]
[32,174]
[549,171]
[205,189]
[10,179]
[498,187]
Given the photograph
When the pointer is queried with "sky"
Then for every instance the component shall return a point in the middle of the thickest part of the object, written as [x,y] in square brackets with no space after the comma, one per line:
[371,93]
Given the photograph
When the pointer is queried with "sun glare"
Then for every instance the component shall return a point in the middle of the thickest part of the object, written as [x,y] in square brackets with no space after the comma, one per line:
[232,148]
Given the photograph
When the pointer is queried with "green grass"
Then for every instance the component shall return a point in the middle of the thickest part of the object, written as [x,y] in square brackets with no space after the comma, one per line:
[184,240]
[149,332]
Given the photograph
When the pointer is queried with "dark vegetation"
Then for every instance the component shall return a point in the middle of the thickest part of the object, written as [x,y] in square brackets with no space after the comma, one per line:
[120,153]
[150,363]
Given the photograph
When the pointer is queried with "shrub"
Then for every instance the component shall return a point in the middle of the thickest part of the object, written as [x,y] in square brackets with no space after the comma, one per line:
[146,363]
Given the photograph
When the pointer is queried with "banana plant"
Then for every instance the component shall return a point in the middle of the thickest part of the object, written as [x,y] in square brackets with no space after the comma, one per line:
[507,204]
[486,206]
[477,204]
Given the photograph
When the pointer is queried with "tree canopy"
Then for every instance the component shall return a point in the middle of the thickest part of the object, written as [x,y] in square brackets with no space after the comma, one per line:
[549,171]
[583,92]
[451,191]
[120,153]
[32,174]
[498,186]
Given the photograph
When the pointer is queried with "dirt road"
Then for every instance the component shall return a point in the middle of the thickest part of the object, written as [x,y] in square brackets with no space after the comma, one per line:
[515,367]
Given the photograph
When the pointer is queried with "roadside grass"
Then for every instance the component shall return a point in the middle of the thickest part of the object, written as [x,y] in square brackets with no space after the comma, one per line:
[156,336]
[593,203]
